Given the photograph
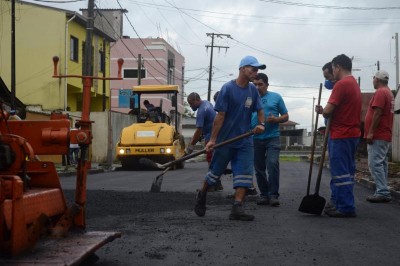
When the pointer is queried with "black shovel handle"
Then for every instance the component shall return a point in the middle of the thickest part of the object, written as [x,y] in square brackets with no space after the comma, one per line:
[216,146]
[313,143]
[321,163]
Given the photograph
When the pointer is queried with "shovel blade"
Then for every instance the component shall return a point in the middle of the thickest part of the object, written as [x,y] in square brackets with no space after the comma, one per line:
[156,185]
[312,204]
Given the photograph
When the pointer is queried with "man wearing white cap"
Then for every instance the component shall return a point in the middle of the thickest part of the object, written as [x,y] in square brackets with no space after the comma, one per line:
[378,134]
[236,102]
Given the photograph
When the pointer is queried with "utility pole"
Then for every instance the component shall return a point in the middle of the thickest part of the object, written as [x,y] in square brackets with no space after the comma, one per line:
[312,119]
[397,60]
[89,37]
[139,69]
[13,68]
[211,57]
[396,118]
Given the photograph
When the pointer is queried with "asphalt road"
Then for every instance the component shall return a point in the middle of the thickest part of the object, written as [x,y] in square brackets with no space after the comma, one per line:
[162,229]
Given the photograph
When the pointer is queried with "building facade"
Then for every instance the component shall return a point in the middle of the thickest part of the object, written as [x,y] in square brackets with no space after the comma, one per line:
[42,32]
[149,61]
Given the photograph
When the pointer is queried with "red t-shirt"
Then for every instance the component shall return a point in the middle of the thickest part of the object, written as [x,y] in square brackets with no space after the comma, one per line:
[346,96]
[383,99]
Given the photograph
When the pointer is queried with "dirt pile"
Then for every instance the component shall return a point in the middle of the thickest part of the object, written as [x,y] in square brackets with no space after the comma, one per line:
[393,175]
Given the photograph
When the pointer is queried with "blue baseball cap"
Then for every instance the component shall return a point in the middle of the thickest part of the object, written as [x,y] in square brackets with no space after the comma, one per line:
[251,61]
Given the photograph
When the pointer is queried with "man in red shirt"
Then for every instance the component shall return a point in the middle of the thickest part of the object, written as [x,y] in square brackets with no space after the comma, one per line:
[344,111]
[378,134]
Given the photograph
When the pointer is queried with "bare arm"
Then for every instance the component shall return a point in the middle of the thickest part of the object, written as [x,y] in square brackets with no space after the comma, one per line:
[376,118]
[328,110]
[261,119]
[277,119]
[218,121]
[196,136]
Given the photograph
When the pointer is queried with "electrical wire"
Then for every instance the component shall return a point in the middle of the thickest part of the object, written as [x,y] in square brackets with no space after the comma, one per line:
[328,7]
[141,40]
[58,2]
[126,46]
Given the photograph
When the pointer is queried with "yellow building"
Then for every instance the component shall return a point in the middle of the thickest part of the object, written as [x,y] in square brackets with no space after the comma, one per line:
[42,32]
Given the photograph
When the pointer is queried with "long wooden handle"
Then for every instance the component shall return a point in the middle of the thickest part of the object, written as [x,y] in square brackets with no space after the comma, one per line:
[321,163]
[216,146]
[313,143]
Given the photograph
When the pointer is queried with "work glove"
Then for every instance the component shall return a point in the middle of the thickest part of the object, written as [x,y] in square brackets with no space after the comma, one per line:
[189,149]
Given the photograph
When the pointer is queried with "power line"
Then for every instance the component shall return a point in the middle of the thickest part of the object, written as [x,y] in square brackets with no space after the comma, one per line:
[122,41]
[219,35]
[328,7]
[58,2]
[141,40]
[367,21]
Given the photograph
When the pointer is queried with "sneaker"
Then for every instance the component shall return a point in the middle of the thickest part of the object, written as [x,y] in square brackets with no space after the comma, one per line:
[337,214]
[274,202]
[217,187]
[200,207]
[329,206]
[263,201]
[378,199]
[251,192]
[211,189]
[238,213]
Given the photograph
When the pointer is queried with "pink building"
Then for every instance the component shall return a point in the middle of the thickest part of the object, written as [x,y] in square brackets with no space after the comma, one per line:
[149,61]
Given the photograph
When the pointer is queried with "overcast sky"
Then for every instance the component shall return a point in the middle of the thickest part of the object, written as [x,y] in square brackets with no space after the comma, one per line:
[294,38]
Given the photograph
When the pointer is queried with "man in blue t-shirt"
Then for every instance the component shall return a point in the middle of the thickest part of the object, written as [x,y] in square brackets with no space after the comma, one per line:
[237,100]
[267,145]
[204,120]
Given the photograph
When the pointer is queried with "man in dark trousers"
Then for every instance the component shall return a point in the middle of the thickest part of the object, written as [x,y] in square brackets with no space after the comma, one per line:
[267,145]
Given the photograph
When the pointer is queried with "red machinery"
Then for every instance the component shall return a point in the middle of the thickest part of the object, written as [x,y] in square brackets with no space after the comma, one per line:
[32,202]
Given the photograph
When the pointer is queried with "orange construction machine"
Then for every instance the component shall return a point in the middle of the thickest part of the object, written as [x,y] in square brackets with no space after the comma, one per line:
[34,214]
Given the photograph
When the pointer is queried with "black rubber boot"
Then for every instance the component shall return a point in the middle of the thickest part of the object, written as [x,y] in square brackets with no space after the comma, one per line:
[238,213]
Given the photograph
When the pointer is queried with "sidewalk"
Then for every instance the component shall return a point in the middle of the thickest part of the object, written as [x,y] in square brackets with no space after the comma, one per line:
[363,177]
[70,170]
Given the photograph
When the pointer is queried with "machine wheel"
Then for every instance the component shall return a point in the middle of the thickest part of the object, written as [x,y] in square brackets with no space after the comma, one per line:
[180,165]
[130,163]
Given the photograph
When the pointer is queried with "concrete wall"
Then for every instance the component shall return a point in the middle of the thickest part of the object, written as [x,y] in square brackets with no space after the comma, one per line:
[106,131]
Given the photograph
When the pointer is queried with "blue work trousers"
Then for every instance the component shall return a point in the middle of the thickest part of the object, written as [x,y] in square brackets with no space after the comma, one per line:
[343,167]
[241,162]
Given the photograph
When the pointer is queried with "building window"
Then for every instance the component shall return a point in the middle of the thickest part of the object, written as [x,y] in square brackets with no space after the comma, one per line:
[74,49]
[102,62]
[133,73]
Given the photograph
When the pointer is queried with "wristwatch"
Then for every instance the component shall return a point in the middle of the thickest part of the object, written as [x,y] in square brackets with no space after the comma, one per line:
[262,123]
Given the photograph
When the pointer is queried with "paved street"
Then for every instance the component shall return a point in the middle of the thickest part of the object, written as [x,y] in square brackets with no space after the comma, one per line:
[162,229]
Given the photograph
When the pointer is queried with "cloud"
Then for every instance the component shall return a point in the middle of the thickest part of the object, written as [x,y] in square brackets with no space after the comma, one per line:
[293,41]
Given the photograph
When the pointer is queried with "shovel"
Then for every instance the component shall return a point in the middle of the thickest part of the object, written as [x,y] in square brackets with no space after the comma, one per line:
[313,143]
[314,204]
[156,185]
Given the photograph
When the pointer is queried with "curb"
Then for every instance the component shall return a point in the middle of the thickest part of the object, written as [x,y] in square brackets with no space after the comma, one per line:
[73,173]
[371,185]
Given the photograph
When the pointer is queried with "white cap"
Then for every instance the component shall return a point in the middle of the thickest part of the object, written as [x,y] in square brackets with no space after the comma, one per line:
[382,75]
